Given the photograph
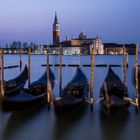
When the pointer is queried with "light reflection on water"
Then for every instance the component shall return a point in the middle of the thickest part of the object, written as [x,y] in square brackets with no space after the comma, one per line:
[43,124]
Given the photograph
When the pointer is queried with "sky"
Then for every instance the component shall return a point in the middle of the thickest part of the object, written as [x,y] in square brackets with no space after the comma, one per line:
[31,20]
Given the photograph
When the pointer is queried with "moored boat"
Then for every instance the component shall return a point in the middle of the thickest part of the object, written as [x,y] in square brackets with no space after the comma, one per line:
[74,94]
[14,86]
[36,94]
[112,94]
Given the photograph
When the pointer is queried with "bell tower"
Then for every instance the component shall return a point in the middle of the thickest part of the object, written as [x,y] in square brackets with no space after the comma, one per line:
[56,31]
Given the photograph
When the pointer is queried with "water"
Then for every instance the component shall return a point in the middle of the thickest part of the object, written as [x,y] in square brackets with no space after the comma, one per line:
[43,124]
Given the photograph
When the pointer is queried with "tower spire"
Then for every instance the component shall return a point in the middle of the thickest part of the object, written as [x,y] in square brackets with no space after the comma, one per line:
[56,19]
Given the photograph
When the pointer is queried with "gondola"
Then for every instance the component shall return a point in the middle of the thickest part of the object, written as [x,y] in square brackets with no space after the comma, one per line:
[14,86]
[74,94]
[112,94]
[34,95]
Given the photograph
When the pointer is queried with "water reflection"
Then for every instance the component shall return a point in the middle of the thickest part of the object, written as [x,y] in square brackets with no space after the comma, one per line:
[112,127]
[41,124]
[19,119]
[65,123]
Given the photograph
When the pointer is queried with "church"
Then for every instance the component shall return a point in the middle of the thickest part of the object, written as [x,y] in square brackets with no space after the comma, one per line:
[80,45]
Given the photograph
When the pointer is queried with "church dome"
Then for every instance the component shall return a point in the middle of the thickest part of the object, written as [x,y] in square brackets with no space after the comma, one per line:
[82,35]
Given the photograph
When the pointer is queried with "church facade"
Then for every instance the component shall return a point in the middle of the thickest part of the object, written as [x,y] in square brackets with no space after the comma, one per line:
[80,45]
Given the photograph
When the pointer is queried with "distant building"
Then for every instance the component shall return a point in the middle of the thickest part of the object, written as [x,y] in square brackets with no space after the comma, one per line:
[83,42]
[81,45]
[56,31]
[113,48]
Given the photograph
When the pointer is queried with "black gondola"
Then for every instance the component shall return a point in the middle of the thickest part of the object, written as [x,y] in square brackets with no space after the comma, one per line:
[112,94]
[73,94]
[14,86]
[35,94]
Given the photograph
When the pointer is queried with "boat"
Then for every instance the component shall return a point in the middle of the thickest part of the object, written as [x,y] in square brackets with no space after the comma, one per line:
[112,94]
[36,94]
[14,86]
[74,94]
[39,86]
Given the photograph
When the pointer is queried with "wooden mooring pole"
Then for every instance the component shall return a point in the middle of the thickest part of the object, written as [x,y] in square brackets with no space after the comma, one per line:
[124,65]
[127,60]
[49,91]
[20,59]
[60,82]
[136,77]
[2,73]
[29,62]
[92,77]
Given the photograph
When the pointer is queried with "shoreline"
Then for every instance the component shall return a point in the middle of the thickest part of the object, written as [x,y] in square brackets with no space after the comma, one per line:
[67,54]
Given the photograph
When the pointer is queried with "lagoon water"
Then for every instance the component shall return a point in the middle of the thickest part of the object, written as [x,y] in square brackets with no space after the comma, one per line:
[43,124]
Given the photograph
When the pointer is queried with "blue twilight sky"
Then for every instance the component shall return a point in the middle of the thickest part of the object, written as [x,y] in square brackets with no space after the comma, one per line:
[31,20]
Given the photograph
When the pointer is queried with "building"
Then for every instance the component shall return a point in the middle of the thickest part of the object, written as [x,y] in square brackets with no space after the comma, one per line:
[85,43]
[80,45]
[56,31]
[113,48]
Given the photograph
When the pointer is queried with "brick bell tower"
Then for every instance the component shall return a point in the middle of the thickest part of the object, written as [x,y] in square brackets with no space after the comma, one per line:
[56,31]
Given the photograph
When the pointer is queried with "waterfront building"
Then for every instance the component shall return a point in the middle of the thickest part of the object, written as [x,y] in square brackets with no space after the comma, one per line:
[113,48]
[80,45]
